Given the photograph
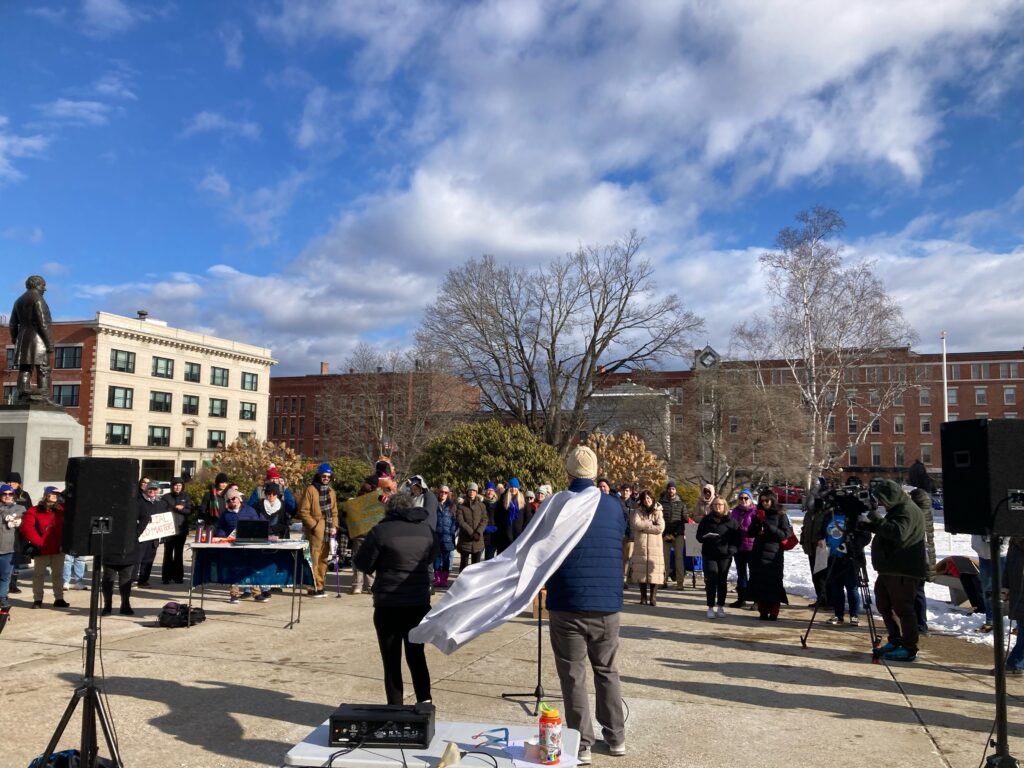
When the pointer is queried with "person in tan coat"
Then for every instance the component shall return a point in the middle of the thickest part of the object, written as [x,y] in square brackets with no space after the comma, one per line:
[318,513]
[647,523]
[471,518]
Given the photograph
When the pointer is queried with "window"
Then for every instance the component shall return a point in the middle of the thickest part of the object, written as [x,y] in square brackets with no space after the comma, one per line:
[851,423]
[190,437]
[831,423]
[851,398]
[951,395]
[67,357]
[218,376]
[897,399]
[302,405]
[218,407]
[1009,395]
[981,396]
[193,372]
[250,381]
[900,452]
[188,469]
[923,372]
[160,402]
[159,436]
[277,405]
[734,425]
[873,397]
[66,394]
[277,426]
[190,405]
[122,361]
[926,453]
[119,397]
[876,454]
[119,434]
[163,368]
[10,393]
[1009,370]
[870,374]
[899,424]
[852,450]
[246,435]
[954,417]
[980,415]
[1010,415]
[924,396]
[926,423]
[291,427]
[10,359]
[215,438]
[876,425]
[316,424]
[954,371]
[247,412]
[294,402]
[302,426]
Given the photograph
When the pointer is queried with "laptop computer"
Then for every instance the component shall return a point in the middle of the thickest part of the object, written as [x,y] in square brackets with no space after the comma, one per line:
[252,532]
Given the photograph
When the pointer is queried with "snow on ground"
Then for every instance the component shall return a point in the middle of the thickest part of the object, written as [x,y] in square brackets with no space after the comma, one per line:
[942,615]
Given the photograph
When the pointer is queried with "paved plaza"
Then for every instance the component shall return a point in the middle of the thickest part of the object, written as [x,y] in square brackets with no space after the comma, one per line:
[240,690]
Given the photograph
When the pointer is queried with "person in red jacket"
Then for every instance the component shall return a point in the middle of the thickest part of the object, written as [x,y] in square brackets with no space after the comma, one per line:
[41,528]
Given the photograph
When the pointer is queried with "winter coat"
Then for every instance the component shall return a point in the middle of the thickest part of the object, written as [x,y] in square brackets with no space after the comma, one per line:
[447,528]
[675,514]
[810,529]
[743,517]
[8,532]
[181,516]
[399,551]
[1015,579]
[719,536]
[703,508]
[924,502]
[309,513]
[491,510]
[767,557]
[278,520]
[428,503]
[648,561]
[471,517]
[627,510]
[211,506]
[228,520]
[899,547]
[43,528]
[291,506]
[590,577]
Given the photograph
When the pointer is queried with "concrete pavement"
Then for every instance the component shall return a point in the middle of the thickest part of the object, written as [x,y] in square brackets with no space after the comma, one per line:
[239,690]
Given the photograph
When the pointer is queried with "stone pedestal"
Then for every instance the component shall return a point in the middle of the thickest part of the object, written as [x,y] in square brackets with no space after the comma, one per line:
[37,440]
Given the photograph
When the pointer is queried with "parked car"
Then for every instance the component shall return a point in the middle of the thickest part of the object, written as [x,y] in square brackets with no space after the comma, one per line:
[937,501]
[165,486]
[789,494]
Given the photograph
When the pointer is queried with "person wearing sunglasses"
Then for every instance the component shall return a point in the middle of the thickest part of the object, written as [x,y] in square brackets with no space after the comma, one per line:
[318,513]
[743,513]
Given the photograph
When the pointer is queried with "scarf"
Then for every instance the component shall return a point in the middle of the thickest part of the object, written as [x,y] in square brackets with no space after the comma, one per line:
[325,504]
[513,509]
[271,509]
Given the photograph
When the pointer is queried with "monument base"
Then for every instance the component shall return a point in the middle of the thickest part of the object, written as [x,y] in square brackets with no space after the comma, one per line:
[37,440]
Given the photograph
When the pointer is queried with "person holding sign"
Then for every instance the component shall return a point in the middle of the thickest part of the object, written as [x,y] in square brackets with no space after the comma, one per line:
[120,569]
[147,549]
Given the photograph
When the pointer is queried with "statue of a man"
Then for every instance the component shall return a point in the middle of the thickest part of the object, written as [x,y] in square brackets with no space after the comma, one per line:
[33,340]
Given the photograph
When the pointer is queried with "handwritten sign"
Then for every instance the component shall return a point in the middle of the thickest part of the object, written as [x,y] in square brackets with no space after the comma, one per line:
[362,513]
[692,545]
[160,526]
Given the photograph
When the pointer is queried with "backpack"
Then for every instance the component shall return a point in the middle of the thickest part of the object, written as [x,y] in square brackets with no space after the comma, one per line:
[177,615]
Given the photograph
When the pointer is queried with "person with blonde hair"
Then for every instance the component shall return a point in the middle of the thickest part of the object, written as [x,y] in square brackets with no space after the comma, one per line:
[648,564]
[719,535]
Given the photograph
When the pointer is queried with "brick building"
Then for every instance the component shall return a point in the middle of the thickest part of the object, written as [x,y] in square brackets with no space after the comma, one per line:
[141,389]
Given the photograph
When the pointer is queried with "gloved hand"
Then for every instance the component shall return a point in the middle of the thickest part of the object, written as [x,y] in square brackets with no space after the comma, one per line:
[490,529]
[760,515]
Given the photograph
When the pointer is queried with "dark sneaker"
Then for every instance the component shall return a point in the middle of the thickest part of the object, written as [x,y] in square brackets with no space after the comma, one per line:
[319,593]
[14,590]
[900,654]
[854,620]
[61,604]
[835,620]
[37,603]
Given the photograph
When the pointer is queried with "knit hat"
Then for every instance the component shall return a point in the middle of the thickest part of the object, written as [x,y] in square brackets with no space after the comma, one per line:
[233,493]
[531,495]
[581,462]
[472,487]
[272,474]
[490,487]
[671,484]
[272,488]
[177,481]
[13,477]
[52,489]
[221,478]
[152,485]
[514,483]
[324,469]
[5,488]
[745,491]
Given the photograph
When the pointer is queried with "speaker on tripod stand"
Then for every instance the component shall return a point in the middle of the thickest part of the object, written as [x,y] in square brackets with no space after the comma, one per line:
[983,493]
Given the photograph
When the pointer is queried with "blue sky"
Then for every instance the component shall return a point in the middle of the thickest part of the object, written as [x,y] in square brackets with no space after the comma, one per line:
[302,175]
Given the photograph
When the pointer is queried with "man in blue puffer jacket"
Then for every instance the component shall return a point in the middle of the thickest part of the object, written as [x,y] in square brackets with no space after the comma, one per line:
[584,600]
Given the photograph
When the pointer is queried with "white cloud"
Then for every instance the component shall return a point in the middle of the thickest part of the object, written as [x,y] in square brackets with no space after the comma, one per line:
[102,18]
[31,235]
[231,37]
[54,268]
[322,119]
[52,15]
[259,210]
[205,122]
[116,84]
[76,112]
[14,146]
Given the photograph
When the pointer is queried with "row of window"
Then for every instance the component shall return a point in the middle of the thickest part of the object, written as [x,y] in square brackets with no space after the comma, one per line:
[163,368]
[160,437]
[899,452]
[162,402]
[63,357]
[297,404]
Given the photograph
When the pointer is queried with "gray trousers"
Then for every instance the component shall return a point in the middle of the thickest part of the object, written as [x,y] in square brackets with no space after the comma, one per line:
[577,638]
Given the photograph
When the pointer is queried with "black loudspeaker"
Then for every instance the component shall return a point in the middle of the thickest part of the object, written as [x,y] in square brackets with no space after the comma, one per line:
[101,488]
[983,476]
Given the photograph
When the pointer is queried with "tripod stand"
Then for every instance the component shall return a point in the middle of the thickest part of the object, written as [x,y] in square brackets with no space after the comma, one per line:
[537,694]
[89,693]
[1002,757]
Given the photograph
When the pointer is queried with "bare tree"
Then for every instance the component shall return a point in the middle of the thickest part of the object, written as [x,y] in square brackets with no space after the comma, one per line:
[390,404]
[829,323]
[536,341]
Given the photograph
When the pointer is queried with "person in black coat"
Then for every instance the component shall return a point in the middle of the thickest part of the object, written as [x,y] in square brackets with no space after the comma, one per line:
[118,567]
[769,528]
[177,502]
[147,549]
[719,535]
[399,552]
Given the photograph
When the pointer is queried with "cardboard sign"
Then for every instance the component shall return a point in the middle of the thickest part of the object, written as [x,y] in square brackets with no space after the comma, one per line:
[160,525]
[820,557]
[362,513]
[692,545]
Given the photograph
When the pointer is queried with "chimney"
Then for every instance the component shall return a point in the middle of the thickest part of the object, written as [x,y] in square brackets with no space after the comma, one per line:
[324,369]
[142,313]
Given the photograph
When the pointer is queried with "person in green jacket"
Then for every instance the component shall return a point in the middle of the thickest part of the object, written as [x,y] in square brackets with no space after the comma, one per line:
[899,557]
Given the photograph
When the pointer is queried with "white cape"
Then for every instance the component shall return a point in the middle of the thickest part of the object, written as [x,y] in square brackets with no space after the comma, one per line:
[491,592]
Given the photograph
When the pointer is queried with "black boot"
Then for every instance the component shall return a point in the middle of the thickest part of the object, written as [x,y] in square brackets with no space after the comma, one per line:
[126,606]
[654,595]
[643,594]
[108,596]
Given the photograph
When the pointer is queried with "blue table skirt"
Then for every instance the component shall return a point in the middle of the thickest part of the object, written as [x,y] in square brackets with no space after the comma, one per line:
[262,567]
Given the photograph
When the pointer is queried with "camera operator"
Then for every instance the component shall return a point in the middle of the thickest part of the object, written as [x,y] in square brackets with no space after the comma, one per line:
[898,555]
[846,544]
